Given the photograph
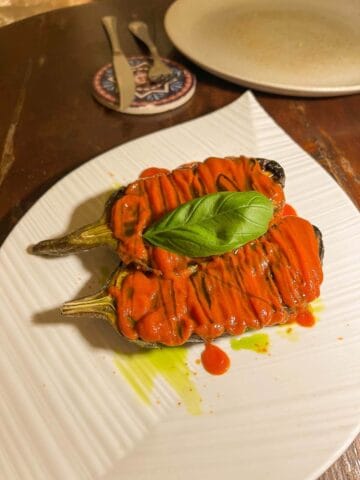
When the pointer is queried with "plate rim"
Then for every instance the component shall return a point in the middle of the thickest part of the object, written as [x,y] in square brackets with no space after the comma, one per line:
[270,87]
[352,434]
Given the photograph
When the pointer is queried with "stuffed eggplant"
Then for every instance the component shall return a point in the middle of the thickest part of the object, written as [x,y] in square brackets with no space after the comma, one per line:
[133,208]
[268,281]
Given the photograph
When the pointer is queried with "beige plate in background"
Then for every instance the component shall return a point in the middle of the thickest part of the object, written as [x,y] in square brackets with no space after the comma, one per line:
[299,48]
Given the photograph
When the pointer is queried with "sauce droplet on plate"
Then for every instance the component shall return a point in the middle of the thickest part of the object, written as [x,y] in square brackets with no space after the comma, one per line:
[305,319]
[215,360]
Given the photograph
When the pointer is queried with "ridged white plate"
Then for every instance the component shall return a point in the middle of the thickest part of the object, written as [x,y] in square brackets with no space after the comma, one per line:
[67,412]
[297,47]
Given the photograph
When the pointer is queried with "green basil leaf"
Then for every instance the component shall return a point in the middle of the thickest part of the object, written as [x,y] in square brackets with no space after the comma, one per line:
[212,224]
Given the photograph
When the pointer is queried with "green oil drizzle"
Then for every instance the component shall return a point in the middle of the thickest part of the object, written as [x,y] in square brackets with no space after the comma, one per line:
[316,307]
[116,186]
[288,331]
[140,370]
[258,342]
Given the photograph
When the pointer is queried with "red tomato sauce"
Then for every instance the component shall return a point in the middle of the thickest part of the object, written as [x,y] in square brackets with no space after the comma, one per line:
[149,172]
[288,210]
[266,282]
[158,191]
[305,319]
[215,360]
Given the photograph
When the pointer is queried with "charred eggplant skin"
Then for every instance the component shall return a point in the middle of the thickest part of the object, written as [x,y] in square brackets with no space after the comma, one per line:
[319,237]
[274,169]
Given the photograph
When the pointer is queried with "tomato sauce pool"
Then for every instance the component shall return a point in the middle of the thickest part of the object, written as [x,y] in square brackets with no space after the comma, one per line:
[215,360]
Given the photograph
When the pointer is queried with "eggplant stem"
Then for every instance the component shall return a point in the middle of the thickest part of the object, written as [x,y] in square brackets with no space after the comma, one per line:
[85,238]
[100,305]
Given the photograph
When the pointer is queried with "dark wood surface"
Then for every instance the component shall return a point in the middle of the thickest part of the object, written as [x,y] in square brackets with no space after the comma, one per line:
[50,124]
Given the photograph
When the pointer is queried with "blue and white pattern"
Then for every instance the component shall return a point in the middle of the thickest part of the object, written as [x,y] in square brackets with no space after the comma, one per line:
[162,95]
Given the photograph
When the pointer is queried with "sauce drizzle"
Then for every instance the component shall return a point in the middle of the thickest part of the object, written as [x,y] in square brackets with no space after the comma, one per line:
[288,210]
[214,360]
[305,318]
[240,290]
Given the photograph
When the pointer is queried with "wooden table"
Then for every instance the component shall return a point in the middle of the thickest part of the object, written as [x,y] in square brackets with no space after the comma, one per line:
[49,123]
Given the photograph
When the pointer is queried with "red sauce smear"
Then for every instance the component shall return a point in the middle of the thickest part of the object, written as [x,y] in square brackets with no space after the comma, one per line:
[305,319]
[288,210]
[215,360]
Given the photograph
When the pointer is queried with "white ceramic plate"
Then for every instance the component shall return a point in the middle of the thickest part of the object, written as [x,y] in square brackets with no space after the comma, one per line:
[300,47]
[67,412]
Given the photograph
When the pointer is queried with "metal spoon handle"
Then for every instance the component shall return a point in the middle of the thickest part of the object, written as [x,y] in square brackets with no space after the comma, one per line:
[141,31]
